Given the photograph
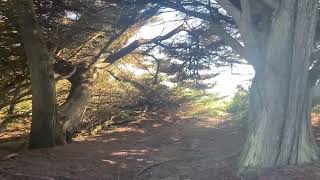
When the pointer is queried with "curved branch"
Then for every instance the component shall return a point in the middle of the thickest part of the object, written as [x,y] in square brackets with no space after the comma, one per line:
[137,43]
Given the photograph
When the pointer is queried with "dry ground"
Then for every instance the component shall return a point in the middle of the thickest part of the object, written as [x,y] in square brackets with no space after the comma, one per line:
[164,145]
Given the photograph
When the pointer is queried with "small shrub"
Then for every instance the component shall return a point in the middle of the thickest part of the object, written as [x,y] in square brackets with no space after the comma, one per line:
[200,102]
[238,107]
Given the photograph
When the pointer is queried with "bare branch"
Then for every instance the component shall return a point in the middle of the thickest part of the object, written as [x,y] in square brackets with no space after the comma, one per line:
[219,29]
[106,46]
[137,43]
[82,46]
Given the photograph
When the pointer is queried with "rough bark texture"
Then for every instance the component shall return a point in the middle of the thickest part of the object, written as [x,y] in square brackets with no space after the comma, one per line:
[71,112]
[43,84]
[280,38]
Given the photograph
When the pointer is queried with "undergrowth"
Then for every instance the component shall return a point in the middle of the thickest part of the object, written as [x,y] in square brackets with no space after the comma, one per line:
[200,102]
[238,107]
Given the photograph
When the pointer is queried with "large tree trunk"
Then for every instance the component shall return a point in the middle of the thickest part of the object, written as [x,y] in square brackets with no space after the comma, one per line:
[42,82]
[279,130]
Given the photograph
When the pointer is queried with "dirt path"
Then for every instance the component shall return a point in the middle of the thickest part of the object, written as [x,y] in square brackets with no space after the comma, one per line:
[162,146]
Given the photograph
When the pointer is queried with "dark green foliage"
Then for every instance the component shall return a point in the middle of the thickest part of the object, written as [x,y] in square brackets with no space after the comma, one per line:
[14,75]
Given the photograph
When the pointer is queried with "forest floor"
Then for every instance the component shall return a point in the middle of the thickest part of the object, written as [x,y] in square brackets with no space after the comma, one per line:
[162,146]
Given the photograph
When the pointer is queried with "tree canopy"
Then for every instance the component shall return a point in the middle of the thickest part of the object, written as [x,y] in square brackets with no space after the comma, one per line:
[79,40]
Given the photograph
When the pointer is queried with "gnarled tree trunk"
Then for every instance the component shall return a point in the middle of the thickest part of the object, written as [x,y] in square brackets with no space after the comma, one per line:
[72,111]
[279,130]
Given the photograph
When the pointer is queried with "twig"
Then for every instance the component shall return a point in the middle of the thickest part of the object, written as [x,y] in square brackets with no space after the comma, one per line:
[153,165]
[83,45]
[9,156]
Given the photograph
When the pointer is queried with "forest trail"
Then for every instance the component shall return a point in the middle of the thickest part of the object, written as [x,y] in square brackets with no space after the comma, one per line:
[164,145]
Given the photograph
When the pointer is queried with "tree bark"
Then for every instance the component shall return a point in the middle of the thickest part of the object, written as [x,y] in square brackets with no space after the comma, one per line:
[42,82]
[72,111]
[279,131]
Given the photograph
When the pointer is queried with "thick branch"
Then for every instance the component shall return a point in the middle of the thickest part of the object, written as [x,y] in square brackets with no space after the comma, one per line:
[231,9]
[234,44]
[106,46]
[137,43]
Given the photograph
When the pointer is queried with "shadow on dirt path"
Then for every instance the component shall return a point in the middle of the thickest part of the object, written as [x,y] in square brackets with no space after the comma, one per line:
[162,146]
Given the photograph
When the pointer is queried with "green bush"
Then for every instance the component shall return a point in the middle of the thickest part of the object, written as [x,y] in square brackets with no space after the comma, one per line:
[200,102]
[238,107]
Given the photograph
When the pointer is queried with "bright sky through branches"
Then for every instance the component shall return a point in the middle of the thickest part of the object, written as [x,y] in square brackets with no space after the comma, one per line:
[229,78]
[227,81]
